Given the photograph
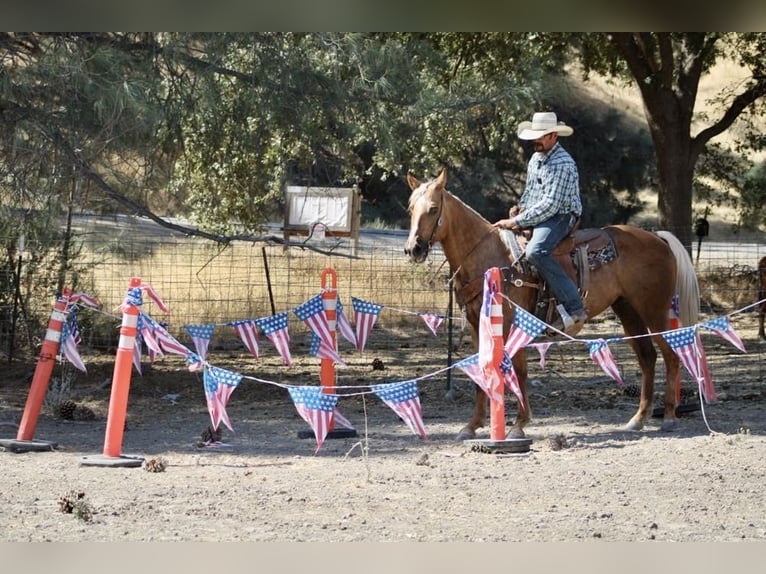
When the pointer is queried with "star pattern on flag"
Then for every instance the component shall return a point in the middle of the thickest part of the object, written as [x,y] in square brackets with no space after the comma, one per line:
[316,408]
[603,357]
[219,384]
[312,313]
[275,330]
[201,335]
[404,399]
[524,328]
[684,343]
[721,326]
[365,314]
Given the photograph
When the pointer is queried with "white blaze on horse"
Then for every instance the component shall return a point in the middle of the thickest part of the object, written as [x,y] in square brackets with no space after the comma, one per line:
[639,285]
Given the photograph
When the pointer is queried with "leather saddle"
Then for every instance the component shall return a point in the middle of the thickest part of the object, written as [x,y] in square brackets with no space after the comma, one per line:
[580,253]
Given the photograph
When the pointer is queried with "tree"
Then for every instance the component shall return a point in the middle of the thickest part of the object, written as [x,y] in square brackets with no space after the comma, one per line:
[667,68]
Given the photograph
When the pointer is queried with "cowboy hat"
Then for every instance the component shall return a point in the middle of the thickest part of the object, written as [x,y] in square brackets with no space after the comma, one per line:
[543,123]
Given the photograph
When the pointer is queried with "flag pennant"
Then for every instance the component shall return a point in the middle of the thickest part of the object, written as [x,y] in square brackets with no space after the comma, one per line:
[487,341]
[164,339]
[365,314]
[275,330]
[524,328]
[432,321]
[201,335]
[312,313]
[248,333]
[684,343]
[470,366]
[137,353]
[154,297]
[316,408]
[721,326]
[318,348]
[542,349]
[219,384]
[404,400]
[344,326]
[70,336]
[146,335]
[511,379]
[85,299]
[603,357]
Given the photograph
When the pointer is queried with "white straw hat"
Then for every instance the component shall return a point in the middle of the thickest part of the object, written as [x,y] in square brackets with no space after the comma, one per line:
[543,123]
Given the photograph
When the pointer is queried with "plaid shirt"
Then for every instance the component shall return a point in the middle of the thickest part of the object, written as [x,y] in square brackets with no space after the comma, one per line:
[552,187]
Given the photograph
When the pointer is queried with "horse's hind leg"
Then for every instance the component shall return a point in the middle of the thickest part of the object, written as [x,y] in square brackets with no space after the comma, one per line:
[672,378]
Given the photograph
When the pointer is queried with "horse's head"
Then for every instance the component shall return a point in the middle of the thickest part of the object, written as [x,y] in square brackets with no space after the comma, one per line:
[425,209]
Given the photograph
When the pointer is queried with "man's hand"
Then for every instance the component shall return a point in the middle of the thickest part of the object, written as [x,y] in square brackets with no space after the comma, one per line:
[514,211]
[509,223]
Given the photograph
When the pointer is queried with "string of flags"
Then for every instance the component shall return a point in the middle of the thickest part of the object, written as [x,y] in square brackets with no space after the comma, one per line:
[318,408]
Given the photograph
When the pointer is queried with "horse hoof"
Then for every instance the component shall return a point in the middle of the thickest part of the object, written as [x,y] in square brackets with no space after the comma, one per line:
[515,433]
[465,434]
[669,425]
[633,426]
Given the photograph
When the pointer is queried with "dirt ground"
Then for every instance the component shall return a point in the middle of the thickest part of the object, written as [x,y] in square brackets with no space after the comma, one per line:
[582,479]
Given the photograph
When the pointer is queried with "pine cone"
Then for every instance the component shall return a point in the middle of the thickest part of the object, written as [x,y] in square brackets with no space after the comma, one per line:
[377,365]
[68,501]
[212,435]
[67,409]
[157,464]
[83,413]
[632,391]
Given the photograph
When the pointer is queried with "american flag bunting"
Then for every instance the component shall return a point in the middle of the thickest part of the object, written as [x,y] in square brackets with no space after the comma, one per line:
[432,321]
[603,357]
[316,408]
[404,400]
[365,315]
[70,335]
[524,328]
[470,366]
[684,343]
[247,330]
[275,330]
[219,384]
[721,326]
[201,335]
[318,348]
[344,326]
[313,314]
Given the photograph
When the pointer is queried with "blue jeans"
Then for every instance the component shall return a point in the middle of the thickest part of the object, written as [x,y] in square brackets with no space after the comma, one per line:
[545,237]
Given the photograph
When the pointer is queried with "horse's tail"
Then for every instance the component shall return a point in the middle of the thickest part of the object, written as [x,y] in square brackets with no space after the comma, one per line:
[687,286]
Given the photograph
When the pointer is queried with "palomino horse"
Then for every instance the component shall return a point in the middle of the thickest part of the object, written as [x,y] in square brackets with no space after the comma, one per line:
[639,286]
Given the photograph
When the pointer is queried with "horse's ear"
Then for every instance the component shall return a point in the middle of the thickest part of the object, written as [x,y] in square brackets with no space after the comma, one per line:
[412,182]
[441,181]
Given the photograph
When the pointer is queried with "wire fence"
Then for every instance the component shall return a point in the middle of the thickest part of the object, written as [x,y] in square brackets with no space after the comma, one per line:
[203,282]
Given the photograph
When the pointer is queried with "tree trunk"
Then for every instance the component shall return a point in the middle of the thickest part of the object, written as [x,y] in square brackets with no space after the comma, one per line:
[675,170]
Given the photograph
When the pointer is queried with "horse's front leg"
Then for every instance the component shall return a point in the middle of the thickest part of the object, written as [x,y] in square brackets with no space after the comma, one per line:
[478,418]
[647,360]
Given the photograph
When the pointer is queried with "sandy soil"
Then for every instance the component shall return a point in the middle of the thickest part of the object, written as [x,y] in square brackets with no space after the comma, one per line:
[583,478]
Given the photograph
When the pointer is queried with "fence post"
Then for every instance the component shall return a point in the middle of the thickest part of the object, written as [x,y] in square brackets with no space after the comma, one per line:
[118,401]
[40,381]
